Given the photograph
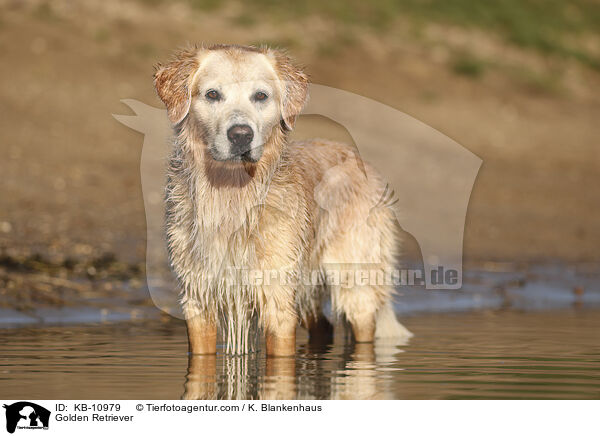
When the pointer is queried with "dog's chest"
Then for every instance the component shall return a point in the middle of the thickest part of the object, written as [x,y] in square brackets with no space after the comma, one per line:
[227,241]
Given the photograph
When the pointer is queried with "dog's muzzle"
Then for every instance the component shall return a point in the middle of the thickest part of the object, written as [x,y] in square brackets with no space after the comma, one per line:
[240,137]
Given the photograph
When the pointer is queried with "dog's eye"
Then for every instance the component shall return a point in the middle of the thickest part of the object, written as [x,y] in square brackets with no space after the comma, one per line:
[213,95]
[260,96]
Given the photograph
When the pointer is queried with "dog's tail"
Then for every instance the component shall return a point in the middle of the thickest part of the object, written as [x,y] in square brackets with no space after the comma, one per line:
[387,325]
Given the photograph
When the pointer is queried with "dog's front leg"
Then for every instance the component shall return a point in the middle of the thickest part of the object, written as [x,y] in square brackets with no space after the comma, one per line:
[281,342]
[280,320]
[202,335]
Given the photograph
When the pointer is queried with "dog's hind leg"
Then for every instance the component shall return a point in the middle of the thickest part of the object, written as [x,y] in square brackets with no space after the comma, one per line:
[309,301]
[359,305]
[363,327]
[388,325]
[358,260]
[369,311]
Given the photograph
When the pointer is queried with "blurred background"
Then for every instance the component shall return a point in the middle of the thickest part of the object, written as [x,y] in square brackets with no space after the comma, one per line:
[514,81]
[517,82]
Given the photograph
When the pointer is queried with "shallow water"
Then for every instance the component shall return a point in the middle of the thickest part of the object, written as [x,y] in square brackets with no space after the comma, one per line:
[493,354]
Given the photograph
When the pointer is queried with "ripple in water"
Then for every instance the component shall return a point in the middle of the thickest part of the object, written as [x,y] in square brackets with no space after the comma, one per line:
[501,354]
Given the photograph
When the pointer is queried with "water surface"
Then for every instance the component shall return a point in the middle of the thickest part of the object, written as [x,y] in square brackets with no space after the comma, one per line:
[485,354]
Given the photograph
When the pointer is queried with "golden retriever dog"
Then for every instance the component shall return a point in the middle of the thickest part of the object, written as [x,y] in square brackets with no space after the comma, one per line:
[257,226]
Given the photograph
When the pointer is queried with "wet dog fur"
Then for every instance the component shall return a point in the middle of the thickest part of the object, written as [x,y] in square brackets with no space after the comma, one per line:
[268,204]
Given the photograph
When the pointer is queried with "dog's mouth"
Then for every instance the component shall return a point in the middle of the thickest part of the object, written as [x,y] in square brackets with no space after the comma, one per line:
[235,158]
[244,157]
[247,157]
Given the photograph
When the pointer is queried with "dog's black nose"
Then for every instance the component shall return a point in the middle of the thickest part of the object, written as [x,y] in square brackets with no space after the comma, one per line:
[240,135]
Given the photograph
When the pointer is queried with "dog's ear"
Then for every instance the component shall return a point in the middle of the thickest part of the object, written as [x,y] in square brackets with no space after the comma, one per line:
[173,83]
[295,88]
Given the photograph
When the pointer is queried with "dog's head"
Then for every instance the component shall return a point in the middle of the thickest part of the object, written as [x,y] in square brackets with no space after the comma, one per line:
[236,96]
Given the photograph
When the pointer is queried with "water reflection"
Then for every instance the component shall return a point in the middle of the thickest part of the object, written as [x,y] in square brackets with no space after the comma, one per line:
[318,371]
[491,354]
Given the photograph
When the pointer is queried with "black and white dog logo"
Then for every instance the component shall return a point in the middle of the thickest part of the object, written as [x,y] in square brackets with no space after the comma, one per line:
[26,415]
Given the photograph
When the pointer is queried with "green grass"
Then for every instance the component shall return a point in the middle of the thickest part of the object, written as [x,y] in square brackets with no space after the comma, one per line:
[102,34]
[145,50]
[378,14]
[44,12]
[546,83]
[202,5]
[244,20]
[541,25]
[468,65]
